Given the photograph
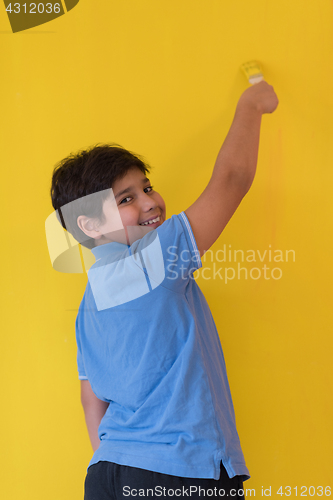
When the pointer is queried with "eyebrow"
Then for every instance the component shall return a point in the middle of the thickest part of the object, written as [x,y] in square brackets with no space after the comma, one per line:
[144,181]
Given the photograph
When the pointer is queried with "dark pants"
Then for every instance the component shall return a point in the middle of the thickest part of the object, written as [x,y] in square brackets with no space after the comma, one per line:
[109,481]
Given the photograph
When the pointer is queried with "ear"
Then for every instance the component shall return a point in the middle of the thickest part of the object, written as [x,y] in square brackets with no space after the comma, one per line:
[89,226]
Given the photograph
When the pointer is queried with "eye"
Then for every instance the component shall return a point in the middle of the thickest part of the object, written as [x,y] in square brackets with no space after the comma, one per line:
[127,198]
[149,187]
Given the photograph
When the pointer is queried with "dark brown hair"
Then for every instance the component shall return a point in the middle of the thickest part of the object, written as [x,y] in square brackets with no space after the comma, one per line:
[86,172]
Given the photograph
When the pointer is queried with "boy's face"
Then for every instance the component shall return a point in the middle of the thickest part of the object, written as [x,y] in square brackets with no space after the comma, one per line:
[137,203]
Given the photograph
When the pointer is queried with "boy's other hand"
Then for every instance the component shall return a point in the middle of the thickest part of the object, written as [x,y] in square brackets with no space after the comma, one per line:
[261,97]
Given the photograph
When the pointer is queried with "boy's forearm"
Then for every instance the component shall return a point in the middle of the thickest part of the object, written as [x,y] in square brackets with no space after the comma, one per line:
[93,416]
[94,410]
[238,156]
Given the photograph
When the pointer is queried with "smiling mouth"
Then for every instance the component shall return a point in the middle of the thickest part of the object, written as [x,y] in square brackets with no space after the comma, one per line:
[151,221]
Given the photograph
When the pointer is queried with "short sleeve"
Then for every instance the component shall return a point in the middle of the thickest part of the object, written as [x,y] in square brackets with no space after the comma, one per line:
[170,253]
[180,251]
[80,364]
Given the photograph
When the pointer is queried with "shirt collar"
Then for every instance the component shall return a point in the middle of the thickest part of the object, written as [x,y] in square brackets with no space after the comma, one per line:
[108,248]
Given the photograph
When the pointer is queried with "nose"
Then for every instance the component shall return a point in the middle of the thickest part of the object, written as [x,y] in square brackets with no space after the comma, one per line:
[148,203]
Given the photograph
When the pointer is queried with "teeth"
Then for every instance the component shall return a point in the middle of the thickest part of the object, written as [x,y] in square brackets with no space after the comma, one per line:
[151,221]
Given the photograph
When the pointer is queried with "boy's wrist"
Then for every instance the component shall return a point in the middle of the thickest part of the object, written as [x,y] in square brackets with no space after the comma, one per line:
[248,106]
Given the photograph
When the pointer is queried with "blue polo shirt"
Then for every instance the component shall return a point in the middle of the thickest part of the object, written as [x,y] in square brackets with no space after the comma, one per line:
[148,345]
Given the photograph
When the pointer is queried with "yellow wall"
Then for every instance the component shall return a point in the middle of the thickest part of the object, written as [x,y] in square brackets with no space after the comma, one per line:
[162,78]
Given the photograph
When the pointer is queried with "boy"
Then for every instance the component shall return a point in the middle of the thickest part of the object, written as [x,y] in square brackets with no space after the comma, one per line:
[154,386]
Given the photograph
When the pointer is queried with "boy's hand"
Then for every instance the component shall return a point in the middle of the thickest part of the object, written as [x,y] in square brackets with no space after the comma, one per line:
[261,97]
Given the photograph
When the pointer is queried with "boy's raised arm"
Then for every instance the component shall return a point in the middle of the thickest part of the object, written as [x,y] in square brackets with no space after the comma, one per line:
[234,169]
